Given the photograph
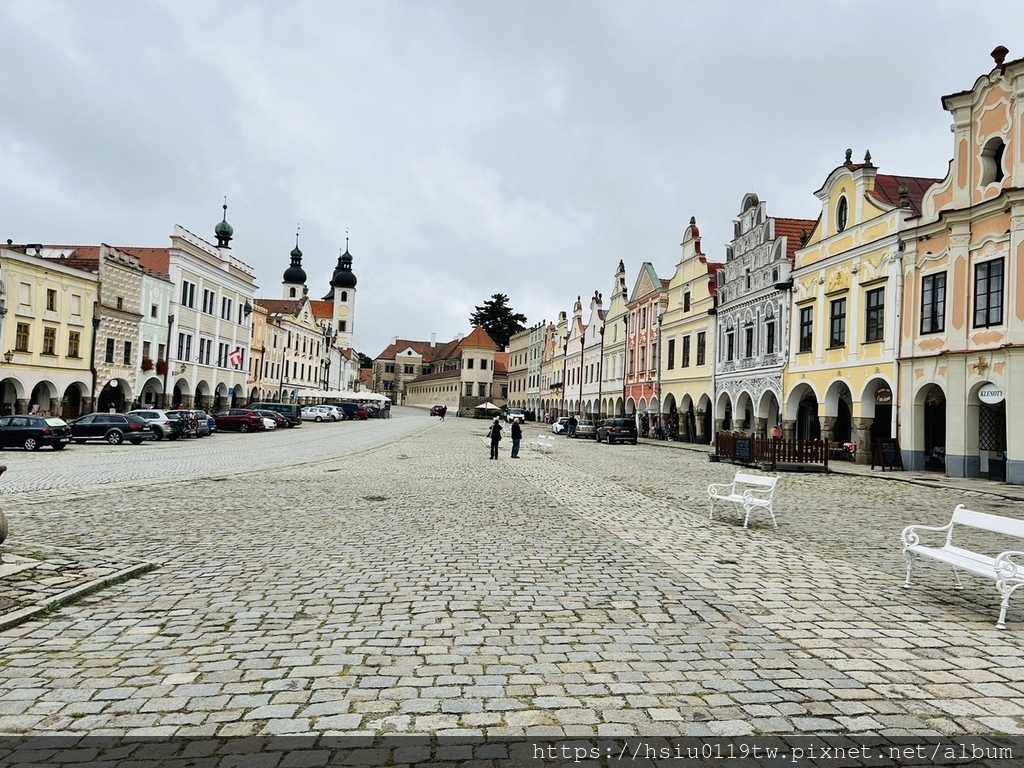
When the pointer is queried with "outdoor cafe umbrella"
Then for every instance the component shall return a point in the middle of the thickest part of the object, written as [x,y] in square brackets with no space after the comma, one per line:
[489,407]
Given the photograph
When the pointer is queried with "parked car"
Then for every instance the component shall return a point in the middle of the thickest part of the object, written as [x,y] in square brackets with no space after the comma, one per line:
[559,425]
[316,413]
[161,422]
[437,410]
[290,411]
[586,428]
[352,410]
[239,419]
[278,418]
[268,423]
[211,423]
[515,413]
[32,432]
[113,428]
[617,431]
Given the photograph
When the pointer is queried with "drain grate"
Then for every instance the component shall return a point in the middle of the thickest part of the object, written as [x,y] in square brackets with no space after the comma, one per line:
[6,604]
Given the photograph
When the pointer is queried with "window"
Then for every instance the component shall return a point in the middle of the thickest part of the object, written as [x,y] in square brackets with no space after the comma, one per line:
[686,301]
[992,161]
[120,302]
[469,389]
[730,345]
[49,341]
[184,347]
[806,328]
[769,338]
[225,308]
[686,352]
[153,310]
[109,352]
[222,355]
[344,295]
[483,364]
[933,303]
[988,293]
[671,354]
[127,353]
[51,299]
[482,389]
[874,327]
[188,294]
[409,370]
[701,347]
[146,348]
[389,368]
[654,355]
[160,352]
[842,213]
[209,301]
[748,279]
[748,341]
[204,351]
[74,343]
[837,323]
[643,317]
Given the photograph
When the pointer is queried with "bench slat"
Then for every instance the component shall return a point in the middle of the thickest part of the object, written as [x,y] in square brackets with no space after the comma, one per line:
[1007,526]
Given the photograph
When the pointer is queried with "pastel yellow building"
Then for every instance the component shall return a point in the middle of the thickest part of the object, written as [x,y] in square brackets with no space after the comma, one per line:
[841,381]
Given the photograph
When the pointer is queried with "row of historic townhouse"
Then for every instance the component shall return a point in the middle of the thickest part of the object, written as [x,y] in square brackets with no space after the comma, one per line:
[892,315]
[87,328]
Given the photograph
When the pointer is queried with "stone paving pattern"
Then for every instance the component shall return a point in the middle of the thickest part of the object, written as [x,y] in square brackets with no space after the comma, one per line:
[386,577]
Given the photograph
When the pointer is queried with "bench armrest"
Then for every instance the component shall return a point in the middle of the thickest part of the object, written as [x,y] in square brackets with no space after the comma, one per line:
[752,499]
[721,489]
[1010,566]
[911,537]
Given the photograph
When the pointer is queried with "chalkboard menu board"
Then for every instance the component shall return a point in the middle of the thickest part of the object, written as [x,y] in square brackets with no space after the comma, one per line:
[742,449]
[887,454]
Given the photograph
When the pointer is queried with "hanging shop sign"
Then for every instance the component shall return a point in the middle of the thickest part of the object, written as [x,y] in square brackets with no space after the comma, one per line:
[990,394]
[883,395]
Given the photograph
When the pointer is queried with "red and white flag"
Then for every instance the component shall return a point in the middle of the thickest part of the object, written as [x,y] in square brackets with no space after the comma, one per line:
[235,358]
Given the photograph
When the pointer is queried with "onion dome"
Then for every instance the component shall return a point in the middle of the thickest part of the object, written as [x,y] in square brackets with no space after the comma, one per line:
[343,275]
[223,230]
[295,273]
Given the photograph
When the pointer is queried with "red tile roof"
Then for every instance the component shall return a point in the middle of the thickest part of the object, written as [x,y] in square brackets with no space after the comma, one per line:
[322,310]
[156,260]
[479,340]
[792,229]
[887,190]
[281,306]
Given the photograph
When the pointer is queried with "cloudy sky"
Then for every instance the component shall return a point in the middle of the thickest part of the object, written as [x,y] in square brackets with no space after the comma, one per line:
[468,148]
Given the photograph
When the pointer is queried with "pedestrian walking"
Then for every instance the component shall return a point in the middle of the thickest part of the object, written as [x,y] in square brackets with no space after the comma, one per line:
[777,432]
[494,433]
[517,438]
[570,427]
[444,410]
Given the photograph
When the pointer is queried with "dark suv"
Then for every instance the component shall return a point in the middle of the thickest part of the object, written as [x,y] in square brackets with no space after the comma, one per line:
[617,431]
[114,428]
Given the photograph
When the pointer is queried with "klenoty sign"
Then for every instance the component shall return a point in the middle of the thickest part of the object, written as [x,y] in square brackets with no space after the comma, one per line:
[990,394]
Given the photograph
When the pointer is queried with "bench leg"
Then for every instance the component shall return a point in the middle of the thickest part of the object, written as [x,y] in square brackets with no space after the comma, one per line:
[910,568]
[1006,592]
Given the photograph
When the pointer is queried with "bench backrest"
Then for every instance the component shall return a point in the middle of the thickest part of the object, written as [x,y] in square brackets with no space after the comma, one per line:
[1007,526]
[760,481]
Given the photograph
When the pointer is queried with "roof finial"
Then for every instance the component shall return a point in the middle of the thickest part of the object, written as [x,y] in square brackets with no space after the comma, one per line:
[297,228]
[849,157]
[904,193]
[346,239]
[999,54]
[867,159]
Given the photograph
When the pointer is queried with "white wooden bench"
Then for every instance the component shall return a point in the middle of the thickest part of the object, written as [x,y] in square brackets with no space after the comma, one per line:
[748,491]
[1006,568]
[544,443]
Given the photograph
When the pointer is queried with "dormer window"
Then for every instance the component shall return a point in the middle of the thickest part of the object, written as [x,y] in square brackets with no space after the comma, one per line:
[992,161]
[842,213]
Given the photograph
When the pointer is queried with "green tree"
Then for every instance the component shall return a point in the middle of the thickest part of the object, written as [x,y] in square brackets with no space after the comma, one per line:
[364,360]
[498,319]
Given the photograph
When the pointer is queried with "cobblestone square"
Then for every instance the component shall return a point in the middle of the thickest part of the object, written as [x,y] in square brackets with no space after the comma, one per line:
[385,577]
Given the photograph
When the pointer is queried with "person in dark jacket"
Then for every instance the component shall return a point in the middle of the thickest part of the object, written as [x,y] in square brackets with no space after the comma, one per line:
[517,437]
[495,436]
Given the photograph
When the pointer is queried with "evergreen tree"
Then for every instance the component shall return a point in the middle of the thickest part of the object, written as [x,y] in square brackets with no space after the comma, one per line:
[498,319]
[364,361]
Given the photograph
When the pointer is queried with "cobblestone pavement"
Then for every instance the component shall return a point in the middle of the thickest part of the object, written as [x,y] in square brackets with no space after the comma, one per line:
[392,579]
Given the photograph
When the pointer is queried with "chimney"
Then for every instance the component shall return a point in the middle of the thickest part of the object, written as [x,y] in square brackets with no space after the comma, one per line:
[433,340]
[394,339]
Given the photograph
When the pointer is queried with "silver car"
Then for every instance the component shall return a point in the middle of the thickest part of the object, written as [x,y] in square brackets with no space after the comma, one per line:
[161,424]
[586,428]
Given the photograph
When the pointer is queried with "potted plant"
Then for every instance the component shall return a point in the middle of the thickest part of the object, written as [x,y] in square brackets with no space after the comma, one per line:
[147,364]
[161,367]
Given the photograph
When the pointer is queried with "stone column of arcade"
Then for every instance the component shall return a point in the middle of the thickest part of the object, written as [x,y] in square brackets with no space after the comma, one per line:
[863,431]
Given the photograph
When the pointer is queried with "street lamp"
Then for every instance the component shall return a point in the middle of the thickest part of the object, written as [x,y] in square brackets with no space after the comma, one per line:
[9,355]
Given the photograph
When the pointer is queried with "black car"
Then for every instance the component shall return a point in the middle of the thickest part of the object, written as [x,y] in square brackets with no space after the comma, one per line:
[31,432]
[617,431]
[113,428]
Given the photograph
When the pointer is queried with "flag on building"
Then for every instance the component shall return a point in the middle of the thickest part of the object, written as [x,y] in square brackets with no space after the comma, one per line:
[235,358]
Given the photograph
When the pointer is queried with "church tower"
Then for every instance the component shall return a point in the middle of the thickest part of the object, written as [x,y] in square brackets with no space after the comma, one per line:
[294,280]
[343,294]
